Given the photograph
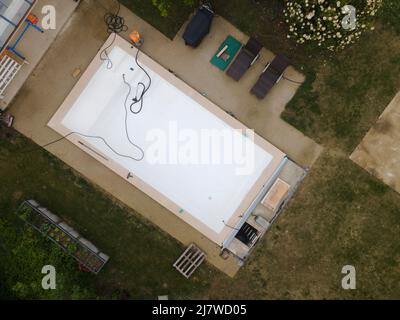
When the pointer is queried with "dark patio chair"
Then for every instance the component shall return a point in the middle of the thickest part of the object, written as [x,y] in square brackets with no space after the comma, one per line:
[245,59]
[271,75]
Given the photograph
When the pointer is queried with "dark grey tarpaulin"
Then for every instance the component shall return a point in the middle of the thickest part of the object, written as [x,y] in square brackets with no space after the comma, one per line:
[270,76]
[245,59]
[12,14]
[198,27]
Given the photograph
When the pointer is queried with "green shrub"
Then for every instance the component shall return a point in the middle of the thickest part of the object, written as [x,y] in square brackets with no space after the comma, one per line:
[23,254]
[164,5]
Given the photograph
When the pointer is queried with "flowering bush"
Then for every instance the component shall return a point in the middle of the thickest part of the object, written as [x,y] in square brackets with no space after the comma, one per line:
[330,24]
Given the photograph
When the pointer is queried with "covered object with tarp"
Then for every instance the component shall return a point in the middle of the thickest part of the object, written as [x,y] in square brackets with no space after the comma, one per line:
[198,27]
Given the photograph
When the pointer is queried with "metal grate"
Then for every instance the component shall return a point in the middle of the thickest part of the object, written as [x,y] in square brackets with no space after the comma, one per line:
[190,261]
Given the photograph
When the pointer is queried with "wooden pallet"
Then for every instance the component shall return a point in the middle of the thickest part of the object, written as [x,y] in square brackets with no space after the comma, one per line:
[190,261]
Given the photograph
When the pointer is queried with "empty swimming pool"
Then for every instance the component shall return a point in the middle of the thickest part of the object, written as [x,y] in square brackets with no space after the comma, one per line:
[166,139]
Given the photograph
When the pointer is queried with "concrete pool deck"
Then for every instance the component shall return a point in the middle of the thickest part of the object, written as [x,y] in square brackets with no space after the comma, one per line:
[74,49]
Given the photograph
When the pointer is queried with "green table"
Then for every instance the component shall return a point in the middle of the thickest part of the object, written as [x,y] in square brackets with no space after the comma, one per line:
[232,47]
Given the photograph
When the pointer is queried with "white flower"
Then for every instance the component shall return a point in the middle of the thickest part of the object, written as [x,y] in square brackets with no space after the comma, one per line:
[310,15]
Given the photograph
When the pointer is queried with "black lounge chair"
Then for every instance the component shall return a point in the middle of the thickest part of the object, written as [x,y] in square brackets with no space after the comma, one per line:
[245,59]
[271,75]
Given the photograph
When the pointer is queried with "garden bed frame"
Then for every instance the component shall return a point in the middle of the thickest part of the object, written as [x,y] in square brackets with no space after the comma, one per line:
[59,232]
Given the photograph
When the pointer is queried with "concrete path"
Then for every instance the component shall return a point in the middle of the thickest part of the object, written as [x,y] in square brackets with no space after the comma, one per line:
[76,46]
[379,151]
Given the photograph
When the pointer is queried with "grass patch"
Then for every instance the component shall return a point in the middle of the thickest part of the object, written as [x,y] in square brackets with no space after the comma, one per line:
[141,255]
[24,252]
[390,14]
[168,25]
